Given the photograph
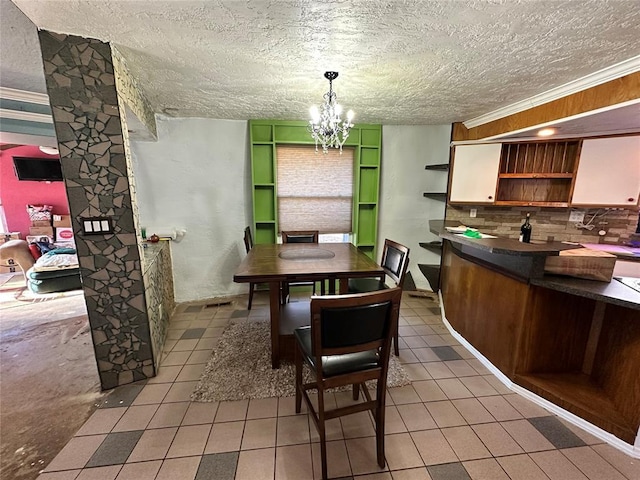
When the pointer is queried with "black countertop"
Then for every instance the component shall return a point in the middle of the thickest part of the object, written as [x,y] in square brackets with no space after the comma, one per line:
[498,251]
[508,246]
[612,292]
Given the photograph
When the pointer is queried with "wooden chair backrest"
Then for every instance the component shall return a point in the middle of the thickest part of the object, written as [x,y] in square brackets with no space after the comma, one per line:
[395,261]
[303,236]
[248,239]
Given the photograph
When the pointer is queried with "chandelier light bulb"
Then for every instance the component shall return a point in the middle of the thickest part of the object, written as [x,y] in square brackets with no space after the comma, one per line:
[326,127]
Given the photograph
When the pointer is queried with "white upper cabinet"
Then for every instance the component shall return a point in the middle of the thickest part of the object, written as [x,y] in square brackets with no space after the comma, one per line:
[608,173]
[475,173]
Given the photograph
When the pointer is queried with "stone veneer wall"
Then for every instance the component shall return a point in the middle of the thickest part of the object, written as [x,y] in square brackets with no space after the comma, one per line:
[158,277]
[548,223]
[128,90]
[91,139]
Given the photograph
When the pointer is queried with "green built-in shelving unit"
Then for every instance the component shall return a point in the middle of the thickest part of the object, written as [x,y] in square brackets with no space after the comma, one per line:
[364,138]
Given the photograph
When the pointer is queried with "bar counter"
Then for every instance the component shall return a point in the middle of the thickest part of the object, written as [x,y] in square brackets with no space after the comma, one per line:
[573,342]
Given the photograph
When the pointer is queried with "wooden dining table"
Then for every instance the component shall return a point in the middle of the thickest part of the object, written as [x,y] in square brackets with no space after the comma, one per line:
[277,263]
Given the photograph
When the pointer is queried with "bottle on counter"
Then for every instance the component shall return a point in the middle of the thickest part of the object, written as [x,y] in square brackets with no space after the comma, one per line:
[525,230]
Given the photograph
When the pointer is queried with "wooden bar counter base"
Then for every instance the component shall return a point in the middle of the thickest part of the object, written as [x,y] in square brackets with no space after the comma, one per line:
[573,342]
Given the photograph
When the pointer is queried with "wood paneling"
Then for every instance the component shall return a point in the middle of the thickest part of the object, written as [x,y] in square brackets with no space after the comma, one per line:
[610,93]
[554,337]
[544,340]
[485,307]
[579,394]
[617,363]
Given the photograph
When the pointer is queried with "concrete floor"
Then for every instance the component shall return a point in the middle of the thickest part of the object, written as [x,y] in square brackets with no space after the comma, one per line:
[49,382]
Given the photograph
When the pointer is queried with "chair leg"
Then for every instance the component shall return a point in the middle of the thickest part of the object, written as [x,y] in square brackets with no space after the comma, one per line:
[356,391]
[298,362]
[396,338]
[380,408]
[284,292]
[322,434]
[251,287]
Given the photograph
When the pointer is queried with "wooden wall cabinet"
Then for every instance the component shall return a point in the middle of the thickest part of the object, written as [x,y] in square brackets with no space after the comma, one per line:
[515,174]
[475,174]
[608,173]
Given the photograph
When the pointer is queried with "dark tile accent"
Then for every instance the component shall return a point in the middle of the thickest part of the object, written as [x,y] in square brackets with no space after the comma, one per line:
[122,396]
[193,309]
[221,466]
[448,471]
[192,333]
[446,353]
[554,431]
[115,449]
[240,314]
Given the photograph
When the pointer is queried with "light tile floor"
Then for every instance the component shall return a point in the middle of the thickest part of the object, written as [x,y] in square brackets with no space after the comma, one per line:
[456,421]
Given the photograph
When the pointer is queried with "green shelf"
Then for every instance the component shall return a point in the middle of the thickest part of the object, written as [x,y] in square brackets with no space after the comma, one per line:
[366,139]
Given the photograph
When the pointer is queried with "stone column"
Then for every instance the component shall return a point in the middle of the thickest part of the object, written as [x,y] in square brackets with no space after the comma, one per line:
[91,134]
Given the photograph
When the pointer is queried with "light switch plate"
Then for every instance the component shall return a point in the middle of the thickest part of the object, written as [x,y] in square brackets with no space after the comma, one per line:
[576,216]
[473,212]
[96,225]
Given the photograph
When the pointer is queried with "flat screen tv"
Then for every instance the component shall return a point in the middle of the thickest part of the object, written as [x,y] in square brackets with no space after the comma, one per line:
[38,169]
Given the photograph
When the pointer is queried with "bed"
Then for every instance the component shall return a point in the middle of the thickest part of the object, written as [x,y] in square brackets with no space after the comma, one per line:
[55,271]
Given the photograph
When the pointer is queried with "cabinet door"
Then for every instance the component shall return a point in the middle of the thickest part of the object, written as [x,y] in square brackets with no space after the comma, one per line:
[608,172]
[475,173]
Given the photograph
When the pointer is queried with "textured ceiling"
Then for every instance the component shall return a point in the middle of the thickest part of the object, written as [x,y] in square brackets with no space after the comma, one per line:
[400,62]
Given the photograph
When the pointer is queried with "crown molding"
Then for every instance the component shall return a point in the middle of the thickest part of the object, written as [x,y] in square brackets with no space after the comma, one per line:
[597,78]
[26,116]
[24,96]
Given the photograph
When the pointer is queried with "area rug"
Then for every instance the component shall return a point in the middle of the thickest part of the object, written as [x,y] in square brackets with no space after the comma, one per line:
[240,367]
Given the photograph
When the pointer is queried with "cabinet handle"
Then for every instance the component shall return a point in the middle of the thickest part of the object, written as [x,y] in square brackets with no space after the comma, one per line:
[630,199]
[489,197]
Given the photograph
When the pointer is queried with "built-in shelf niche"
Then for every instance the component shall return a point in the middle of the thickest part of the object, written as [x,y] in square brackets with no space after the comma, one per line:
[539,173]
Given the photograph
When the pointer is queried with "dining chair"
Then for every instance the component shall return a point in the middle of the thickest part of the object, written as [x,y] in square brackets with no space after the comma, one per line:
[248,245]
[347,343]
[395,261]
[302,236]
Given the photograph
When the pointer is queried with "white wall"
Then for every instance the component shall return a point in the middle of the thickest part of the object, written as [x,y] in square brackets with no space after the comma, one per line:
[404,211]
[197,177]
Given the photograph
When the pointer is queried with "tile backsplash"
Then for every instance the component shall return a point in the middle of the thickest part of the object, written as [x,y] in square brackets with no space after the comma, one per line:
[550,223]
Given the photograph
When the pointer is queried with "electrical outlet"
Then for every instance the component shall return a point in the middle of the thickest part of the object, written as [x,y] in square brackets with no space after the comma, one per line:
[473,212]
[576,216]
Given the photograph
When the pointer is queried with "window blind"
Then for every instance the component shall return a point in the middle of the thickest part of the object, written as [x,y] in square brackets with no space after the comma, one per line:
[315,190]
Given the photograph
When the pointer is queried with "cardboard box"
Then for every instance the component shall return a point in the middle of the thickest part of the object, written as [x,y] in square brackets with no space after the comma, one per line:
[582,263]
[64,234]
[61,221]
[41,231]
[40,223]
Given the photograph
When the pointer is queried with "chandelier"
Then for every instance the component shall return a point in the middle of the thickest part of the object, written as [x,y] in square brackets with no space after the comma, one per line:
[326,126]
